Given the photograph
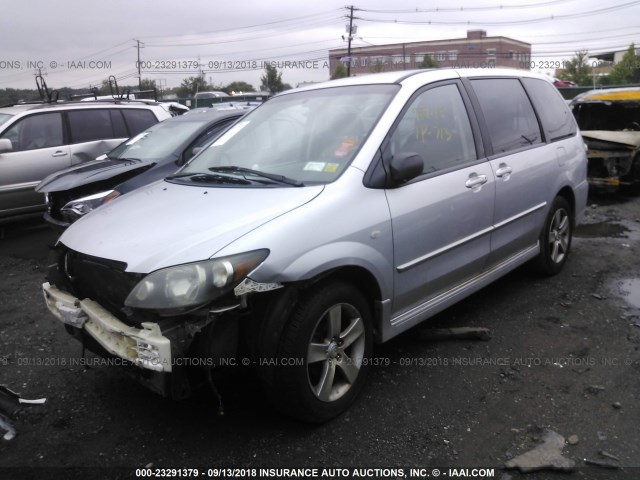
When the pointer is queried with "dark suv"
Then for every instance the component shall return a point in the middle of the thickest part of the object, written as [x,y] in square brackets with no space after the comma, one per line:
[149,156]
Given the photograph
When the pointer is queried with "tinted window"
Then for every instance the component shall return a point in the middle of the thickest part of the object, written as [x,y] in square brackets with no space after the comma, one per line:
[436,126]
[139,120]
[89,125]
[508,112]
[119,127]
[36,131]
[554,113]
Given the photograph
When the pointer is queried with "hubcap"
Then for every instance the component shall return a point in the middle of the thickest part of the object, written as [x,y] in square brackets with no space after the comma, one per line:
[559,235]
[335,352]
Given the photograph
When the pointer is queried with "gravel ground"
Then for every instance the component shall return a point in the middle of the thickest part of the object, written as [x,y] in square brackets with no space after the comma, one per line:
[564,356]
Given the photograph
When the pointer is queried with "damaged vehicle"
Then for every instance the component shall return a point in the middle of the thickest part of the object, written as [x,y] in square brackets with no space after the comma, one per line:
[610,124]
[39,139]
[149,156]
[330,218]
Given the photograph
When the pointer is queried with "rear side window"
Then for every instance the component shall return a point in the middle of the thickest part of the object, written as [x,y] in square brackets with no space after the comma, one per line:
[556,118]
[89,125]
[509,115]
[36,131]
[138,120]
[119,127]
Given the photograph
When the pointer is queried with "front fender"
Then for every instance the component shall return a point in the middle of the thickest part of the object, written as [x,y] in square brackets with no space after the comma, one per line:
[330,257]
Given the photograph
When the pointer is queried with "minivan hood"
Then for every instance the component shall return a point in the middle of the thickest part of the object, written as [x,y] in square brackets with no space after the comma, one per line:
[165,224]
[90,172]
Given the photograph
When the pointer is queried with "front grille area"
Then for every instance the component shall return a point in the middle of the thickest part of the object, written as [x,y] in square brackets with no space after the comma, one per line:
[104,281]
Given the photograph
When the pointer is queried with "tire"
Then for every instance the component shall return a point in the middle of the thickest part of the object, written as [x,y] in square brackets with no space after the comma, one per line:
[329,337]
[555,239]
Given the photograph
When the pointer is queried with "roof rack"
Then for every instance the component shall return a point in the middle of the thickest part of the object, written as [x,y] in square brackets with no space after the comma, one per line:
[93,92]
[49,96]
[126,94]
[43,91]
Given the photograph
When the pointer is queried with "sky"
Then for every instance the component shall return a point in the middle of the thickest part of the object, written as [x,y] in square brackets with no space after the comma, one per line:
[78,45]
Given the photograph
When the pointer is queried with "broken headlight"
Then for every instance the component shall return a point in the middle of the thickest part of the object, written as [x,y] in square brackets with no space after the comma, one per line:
[193,284]
[81,206]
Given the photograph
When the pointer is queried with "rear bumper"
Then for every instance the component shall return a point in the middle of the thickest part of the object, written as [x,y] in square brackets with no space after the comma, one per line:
[146,347]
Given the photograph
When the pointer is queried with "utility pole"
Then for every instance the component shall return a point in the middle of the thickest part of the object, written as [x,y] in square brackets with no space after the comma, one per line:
[139,67]
[349,37]
[404,55]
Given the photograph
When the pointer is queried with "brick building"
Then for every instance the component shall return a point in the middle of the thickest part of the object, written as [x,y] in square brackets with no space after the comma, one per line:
[475,51]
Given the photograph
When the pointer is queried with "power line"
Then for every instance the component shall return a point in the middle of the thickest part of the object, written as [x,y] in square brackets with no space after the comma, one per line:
[468,9]
[217,31]
[269,34]
[509,22]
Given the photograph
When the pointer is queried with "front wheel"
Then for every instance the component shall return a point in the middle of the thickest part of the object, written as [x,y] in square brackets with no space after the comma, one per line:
[555,239]
[323,353]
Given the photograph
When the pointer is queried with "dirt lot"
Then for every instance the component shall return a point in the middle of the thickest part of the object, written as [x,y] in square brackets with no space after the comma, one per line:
[564,356]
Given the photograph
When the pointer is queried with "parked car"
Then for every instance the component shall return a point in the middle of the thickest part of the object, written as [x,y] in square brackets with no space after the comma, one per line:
[206,99]
[175,108]
[39,139]
[149,156]
[564,83]
[609,120]
[329,218]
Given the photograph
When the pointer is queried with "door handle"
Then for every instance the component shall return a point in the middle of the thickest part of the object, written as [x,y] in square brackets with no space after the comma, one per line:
[504,171]
[475,181]
[59,153]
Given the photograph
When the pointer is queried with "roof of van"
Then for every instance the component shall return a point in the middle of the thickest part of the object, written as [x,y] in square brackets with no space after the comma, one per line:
[437,73]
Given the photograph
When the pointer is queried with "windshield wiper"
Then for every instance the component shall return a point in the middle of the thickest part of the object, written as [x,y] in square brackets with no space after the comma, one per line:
[125,159]
[258,173]
[209,178]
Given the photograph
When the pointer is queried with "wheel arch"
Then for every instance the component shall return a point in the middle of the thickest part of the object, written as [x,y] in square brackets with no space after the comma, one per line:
[567,193]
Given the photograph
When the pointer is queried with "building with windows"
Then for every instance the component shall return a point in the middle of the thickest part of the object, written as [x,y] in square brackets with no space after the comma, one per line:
[475,51]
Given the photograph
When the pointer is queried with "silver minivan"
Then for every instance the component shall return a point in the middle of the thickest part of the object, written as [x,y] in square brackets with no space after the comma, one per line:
[329,218]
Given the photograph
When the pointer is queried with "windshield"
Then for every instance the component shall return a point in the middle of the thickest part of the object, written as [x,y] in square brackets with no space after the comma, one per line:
[4,117]
[306,137]
[158,141]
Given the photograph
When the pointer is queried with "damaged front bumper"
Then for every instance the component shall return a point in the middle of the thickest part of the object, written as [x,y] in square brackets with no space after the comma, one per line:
[146,347]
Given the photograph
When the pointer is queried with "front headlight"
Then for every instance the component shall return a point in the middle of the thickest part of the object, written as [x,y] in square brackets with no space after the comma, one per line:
[81,206]
[193,284]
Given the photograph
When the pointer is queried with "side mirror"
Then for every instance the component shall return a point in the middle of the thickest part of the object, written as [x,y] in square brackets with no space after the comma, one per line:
[405,166]
[5,145]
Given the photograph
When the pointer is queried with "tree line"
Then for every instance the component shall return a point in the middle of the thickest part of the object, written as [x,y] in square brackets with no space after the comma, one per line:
[624,72]
[271,81]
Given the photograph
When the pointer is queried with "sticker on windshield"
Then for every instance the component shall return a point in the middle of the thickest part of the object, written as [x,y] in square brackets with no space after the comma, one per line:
[331,167]
[346,145]
[230,133]
[314,166]
[138,137]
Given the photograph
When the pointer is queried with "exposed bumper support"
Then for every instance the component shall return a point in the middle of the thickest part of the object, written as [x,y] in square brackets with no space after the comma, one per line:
[145,347]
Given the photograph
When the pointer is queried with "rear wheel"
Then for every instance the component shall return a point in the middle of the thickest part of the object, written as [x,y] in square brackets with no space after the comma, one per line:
[322,356]
[555,240]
